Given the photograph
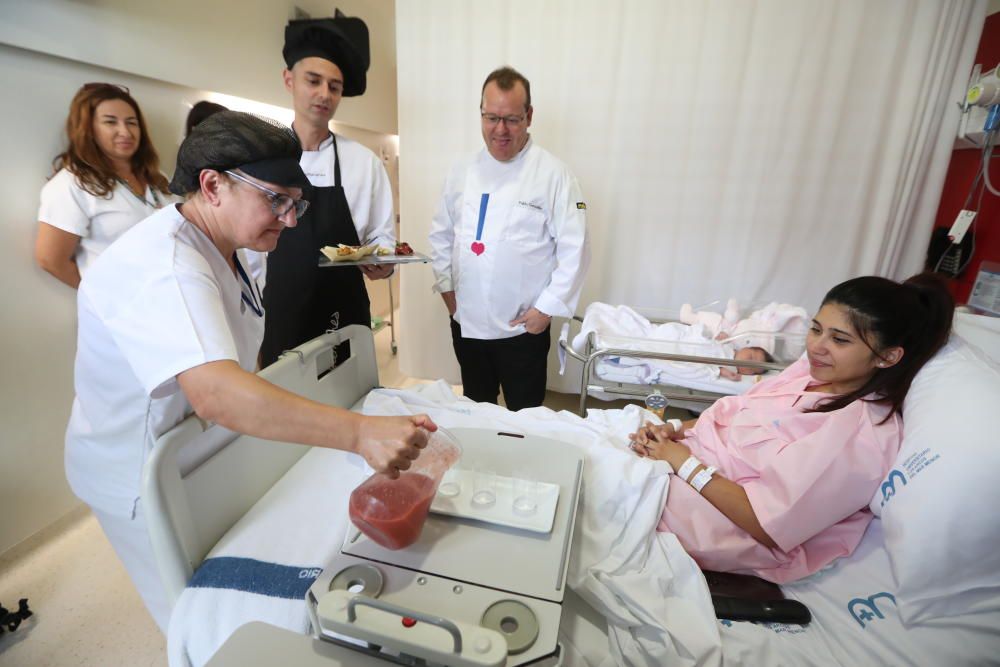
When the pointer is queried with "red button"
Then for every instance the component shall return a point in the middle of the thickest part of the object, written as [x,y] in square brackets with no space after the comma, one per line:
[409,622]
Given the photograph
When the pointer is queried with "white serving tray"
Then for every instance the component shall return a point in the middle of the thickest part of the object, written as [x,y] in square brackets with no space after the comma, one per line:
[455,498]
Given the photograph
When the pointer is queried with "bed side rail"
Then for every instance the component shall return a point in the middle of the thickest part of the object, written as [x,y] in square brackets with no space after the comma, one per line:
[201,478]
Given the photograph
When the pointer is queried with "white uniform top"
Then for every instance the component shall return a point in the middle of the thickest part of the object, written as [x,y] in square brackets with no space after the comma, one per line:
[158,302]
[366,186]
[532,250]
[98,221]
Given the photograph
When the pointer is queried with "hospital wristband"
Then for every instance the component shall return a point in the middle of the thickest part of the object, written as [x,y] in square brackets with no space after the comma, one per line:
[688,467]
[677,424]
[703,478]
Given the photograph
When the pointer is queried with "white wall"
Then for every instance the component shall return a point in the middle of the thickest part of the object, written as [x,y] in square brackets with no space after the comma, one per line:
[38,318]
[230,46]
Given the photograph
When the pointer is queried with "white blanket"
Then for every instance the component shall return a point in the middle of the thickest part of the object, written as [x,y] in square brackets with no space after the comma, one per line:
[641,581]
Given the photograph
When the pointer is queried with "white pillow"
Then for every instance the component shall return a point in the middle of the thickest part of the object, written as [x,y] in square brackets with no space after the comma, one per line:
[940,502]
[981,331]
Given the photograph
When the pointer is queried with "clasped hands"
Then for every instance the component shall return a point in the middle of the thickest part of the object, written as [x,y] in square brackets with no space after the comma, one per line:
[660,442]
[534,321]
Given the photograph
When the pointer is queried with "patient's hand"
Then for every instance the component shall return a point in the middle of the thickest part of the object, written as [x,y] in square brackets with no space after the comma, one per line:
[651,431]
[390,444]
[657,442]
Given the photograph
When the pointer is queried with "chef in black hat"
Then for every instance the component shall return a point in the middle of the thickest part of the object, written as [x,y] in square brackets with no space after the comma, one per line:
[170,321]
[350,199]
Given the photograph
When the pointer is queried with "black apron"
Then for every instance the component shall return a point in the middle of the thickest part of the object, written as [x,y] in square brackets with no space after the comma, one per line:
[301,300]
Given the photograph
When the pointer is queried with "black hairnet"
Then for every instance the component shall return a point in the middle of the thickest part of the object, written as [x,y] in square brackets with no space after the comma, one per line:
[258,146]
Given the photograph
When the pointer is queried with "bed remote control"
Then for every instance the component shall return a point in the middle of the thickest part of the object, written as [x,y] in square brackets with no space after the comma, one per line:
[773,611]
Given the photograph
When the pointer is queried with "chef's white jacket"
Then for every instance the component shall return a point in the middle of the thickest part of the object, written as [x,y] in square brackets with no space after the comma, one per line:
[98,221]
[161,300]
[531,250]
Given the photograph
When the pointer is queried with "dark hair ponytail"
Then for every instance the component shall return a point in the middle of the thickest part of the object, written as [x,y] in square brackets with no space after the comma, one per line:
[915,315]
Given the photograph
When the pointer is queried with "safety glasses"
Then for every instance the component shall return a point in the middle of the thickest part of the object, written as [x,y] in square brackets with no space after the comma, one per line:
[280,204]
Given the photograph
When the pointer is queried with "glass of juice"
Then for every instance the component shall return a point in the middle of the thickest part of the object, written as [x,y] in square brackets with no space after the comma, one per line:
[391,512]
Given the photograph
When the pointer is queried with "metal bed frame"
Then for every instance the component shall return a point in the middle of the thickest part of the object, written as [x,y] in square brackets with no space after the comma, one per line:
[590,382]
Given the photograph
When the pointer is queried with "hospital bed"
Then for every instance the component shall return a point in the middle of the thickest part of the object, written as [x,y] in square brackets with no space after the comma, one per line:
[217,498]
[628,367]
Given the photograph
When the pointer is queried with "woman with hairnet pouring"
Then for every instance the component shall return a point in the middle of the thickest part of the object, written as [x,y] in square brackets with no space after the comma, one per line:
[170,321]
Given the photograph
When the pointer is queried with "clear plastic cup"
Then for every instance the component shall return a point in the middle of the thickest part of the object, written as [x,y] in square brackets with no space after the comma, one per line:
[451,484]
[525,496]
[484,488]
[391,512]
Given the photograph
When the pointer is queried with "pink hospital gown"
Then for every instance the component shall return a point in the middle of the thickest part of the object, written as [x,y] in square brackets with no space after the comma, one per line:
[809,477]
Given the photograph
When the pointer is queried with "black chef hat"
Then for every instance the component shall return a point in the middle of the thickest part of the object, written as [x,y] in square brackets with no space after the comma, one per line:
[257,146]
[342,40]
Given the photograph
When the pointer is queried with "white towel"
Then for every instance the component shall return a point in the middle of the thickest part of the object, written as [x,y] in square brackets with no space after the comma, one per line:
[772,318]
[618,322]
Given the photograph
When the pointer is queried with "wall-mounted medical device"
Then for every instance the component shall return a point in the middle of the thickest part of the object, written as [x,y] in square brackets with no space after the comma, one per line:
[980,109]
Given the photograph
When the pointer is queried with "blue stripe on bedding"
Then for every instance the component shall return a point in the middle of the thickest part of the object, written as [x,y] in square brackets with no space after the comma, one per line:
[255,576]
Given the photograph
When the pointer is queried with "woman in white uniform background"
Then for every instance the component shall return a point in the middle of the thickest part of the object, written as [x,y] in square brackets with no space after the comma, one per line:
[170,321]
[106,180]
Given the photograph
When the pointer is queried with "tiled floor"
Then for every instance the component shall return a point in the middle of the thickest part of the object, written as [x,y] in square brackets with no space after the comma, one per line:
[86,610]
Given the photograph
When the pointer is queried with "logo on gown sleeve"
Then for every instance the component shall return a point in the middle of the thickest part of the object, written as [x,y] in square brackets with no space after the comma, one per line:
[581,205]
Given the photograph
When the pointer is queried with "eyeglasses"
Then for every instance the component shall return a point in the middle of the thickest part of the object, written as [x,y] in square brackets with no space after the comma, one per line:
[509,121]
[98,86]
[280,204]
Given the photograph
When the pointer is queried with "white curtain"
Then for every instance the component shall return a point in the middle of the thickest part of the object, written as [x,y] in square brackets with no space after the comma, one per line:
[763,150]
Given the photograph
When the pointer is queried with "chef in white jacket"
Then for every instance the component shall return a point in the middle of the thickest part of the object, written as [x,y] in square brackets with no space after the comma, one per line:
[509,244]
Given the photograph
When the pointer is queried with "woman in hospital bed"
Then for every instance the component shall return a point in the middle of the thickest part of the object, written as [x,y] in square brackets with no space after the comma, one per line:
[779,478]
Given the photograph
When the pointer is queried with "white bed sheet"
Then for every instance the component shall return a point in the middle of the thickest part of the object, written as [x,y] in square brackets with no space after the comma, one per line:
[856,623]
[654,605]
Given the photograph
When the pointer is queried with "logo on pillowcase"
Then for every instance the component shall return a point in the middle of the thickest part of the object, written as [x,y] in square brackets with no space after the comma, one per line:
[865,610]
[889,485]
[911,467]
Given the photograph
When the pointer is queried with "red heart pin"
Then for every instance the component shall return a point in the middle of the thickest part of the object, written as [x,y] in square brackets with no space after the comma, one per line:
[478,248]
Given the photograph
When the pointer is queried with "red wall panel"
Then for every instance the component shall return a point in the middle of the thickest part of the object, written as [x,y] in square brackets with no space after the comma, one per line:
[961,174]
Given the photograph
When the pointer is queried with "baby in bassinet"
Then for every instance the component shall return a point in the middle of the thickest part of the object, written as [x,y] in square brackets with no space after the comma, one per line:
[703,345]
[623,328]
[746,354]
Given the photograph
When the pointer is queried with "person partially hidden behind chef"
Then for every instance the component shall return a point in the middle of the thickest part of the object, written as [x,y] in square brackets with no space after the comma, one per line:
[509,246]
[170,321]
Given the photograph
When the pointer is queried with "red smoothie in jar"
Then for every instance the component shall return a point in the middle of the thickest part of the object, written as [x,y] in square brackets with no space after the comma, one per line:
[392,511]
